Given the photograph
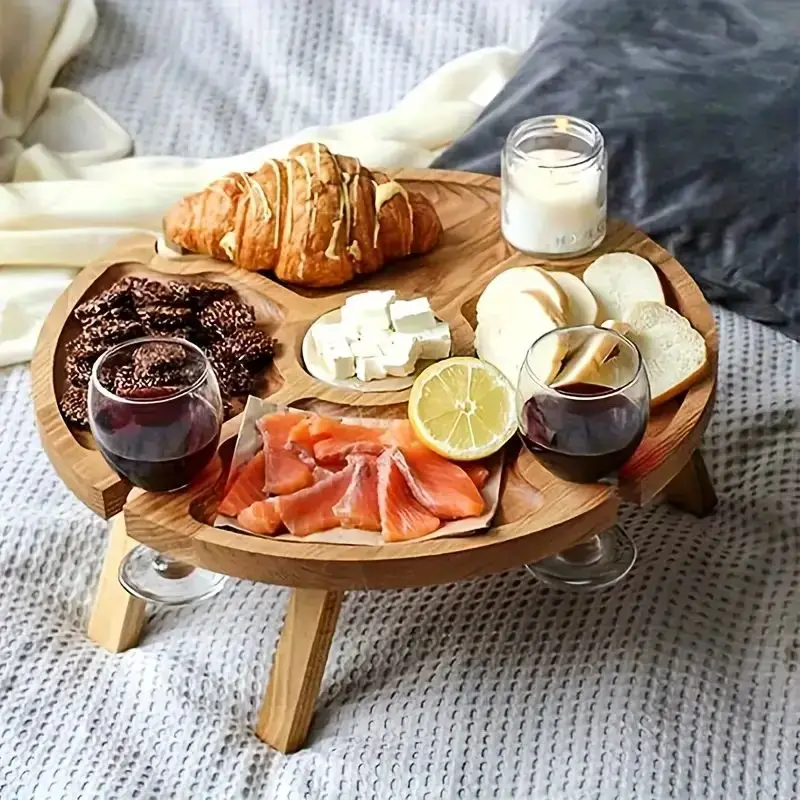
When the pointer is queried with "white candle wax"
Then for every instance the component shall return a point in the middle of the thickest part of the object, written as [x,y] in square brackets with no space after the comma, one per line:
[558,210]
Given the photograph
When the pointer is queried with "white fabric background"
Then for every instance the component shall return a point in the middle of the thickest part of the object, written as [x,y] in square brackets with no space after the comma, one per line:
[69,187]
[681,682]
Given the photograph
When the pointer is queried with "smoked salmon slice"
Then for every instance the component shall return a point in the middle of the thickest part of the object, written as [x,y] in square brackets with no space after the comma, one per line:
[246,488]
[358,507]
[346,440]
[320,473]
[285,469]
[477,472]
[279,425]
[261,517]
[312,429]
[311,510]
[441,486]
[400,433]
[300,440]
[402,517]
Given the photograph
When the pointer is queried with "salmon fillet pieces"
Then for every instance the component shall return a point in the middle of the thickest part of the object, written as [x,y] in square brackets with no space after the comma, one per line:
[402,517]
[246,488]
[287,468]
[261,517]
[358,507]
[311,510]
[441,486]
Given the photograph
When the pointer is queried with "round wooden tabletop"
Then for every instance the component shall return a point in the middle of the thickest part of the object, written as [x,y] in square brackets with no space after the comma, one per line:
[538,514]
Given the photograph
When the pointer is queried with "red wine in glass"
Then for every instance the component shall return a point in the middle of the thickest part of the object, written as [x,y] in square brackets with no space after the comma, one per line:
[158,446]
[155,412]
[581,439]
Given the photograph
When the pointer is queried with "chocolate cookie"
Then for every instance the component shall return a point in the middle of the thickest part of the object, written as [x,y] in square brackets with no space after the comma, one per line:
[115,297]
[249,346]
[222,317]
[146,292]
[125,380]
[201,293]
[207,313]
[85,349]
[165,319]
[233,378]
[73,406]
[78,371]
[158,357]
[107,331]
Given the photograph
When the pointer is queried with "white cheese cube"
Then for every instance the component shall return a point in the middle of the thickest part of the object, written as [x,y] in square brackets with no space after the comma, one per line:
[400,353]
[328,335]
[369,368]
[412,316]
[370,343]
[339,362]
[365,348]
[358,320]
[334,350]
[435,342]
[367,311]
[351,331]
[372,299]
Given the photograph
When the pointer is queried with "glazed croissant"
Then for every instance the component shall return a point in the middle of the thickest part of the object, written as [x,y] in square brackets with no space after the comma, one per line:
[314,219]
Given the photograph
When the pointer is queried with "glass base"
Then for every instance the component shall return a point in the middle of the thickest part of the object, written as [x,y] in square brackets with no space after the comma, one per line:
[149,575]
[599,563]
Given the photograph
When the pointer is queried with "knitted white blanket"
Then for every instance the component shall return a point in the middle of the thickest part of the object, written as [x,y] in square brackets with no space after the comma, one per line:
[681,682]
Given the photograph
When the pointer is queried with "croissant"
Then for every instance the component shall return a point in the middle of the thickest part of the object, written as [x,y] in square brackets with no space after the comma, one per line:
[314,219]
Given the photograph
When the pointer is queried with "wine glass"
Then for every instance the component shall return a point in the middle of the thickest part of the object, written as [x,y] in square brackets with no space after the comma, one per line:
[159,430]
[583,423]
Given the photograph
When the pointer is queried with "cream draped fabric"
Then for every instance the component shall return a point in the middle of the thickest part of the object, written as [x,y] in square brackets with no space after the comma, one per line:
[70,188]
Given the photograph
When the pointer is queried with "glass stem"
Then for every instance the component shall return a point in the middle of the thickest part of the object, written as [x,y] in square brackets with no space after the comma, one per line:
[170,568]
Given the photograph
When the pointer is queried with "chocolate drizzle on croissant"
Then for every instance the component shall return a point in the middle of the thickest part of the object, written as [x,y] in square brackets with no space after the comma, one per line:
[314,219]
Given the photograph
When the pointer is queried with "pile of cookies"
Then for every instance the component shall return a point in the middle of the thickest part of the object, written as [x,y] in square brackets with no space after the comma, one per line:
[208,314]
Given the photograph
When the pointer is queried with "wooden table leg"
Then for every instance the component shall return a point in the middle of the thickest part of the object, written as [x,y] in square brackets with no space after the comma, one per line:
[117,617]
[691,489]
[300,659]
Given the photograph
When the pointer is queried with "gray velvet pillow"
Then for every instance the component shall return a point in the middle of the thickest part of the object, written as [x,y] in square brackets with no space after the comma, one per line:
[699,103]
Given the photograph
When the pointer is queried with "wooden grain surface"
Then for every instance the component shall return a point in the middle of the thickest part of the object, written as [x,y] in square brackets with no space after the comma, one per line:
[117,616]
[300,658]
[538,515]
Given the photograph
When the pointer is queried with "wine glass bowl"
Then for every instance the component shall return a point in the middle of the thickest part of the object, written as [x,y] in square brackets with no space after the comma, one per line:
[583,403]
[160,429]
[155,412]
[585,422]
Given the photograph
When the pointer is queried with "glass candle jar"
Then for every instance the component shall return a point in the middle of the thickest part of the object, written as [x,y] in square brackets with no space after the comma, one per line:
[554,177]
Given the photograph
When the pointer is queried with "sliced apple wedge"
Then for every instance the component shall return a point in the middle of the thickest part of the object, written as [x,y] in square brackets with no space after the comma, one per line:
[593,357]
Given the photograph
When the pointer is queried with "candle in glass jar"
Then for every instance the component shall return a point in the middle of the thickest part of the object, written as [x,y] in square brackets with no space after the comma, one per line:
[554,197]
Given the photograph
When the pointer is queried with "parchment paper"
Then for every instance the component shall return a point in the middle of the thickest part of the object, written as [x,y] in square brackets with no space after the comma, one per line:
[249,442]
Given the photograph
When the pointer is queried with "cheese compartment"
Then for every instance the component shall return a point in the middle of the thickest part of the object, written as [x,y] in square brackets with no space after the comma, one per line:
[376,342]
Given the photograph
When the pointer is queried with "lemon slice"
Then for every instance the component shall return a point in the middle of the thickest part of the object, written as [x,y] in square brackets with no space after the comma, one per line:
[462,408]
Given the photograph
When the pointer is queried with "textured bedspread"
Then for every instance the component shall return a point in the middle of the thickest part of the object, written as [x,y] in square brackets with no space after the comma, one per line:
[683,681]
